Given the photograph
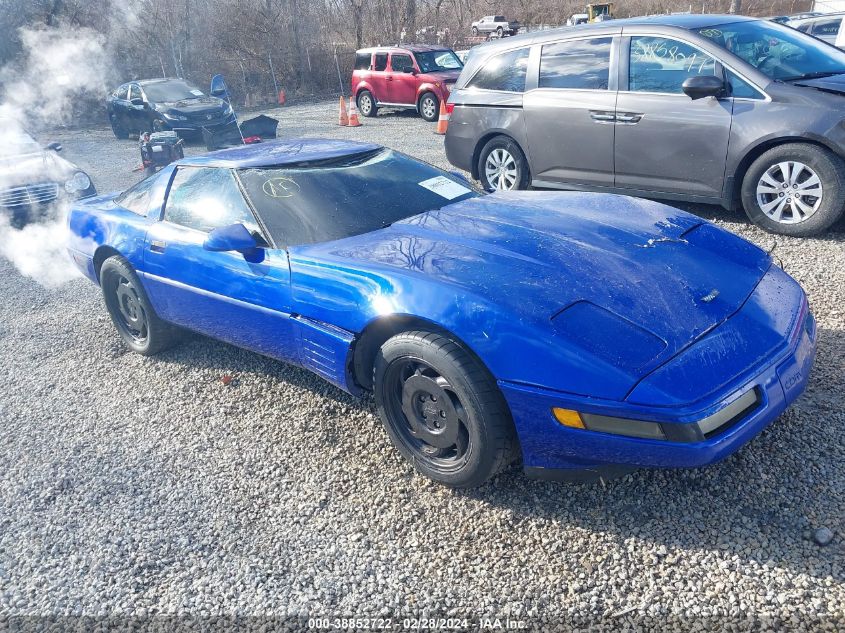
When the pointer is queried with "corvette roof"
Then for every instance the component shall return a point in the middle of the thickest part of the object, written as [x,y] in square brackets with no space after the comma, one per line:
[281,152]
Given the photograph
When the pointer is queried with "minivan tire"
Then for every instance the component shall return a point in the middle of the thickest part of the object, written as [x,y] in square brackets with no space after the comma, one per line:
[364,98]
[508,145]
[830,170]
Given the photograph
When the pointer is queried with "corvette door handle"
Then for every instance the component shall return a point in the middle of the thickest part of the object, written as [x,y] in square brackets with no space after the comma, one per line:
[157,246]
[629,117]
[602,117]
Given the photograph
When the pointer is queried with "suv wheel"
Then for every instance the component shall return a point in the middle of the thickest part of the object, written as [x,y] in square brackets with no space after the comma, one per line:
[502,165]
[429,107]
[795,189]
[367,103]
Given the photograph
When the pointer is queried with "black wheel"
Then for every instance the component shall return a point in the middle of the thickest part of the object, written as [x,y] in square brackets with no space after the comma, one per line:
[795,189]
[474,32]
[120,131]
[429,107]
[499,31]
[442,409]
[131,311]
[502,165]
[367,103]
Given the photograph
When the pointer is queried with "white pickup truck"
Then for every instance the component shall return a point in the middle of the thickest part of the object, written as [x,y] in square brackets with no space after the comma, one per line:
[497,24]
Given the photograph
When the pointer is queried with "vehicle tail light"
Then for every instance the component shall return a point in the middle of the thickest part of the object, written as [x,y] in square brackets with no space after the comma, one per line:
[449,108]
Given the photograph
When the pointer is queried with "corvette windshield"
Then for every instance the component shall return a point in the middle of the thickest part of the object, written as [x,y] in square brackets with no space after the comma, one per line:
[436,61]
[351,195]
[777,51]
[170,91]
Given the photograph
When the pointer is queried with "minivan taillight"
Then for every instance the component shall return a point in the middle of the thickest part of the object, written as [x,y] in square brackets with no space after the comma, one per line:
[449,108]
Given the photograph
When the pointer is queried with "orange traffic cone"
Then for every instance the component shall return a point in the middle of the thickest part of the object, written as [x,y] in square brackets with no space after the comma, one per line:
[343,120]
[443,120]
[353,113]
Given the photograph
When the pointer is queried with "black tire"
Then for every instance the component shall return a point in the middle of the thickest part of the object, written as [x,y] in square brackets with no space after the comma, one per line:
[120,131]
[765,175]
[522,176]
[429,107]
[474,32]
[366,103]
[499,31]
[136,321]
[430,374]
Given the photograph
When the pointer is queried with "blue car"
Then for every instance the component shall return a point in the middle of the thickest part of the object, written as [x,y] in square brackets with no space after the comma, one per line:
[587,334]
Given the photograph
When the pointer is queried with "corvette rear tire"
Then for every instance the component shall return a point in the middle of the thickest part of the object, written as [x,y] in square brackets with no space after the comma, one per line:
[130,309]
[442,409]
[367,103]
[795,189]
[502,165]
[429,107]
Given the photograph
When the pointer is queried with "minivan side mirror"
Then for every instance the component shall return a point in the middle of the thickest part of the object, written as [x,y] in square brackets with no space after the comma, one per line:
[700,86]
[235,237]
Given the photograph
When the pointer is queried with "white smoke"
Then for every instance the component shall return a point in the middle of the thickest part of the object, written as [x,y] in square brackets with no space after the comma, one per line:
[38,90]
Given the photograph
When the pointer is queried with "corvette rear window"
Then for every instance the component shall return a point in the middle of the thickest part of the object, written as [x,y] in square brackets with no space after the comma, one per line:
[352,195]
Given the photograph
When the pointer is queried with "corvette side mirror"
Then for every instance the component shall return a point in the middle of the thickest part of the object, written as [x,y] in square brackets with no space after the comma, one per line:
[700,86]
[235,237]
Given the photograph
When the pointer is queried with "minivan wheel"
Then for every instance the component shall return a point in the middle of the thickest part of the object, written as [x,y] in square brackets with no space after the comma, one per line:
[429,107]
[795,189]
[502,165]
[367,103]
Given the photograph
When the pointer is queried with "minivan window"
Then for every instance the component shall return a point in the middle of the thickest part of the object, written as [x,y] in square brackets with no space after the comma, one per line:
[741,89]
[401,63]
[380,61]
[661,64]
[362,61]
[578,64]
[777,51]
[505,72]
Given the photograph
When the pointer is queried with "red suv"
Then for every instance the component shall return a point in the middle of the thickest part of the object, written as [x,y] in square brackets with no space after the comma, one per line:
[418,77]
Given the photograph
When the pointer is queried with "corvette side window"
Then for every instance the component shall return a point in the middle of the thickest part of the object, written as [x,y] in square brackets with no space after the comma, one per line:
[207,198]
[137,199]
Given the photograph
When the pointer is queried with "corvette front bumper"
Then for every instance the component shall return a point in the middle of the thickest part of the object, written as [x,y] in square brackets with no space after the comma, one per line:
[553,450]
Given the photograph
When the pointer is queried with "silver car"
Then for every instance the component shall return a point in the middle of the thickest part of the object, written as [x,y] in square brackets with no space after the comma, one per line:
[714,109]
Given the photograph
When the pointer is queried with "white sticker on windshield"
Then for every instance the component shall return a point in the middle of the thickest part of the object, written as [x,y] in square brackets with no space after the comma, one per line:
[442,186]
[196,93]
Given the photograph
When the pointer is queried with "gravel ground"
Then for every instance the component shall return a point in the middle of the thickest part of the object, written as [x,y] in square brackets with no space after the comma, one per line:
[134,487]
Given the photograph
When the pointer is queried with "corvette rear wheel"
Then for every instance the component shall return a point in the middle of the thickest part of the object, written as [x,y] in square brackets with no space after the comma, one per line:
[442,409]
[131,311]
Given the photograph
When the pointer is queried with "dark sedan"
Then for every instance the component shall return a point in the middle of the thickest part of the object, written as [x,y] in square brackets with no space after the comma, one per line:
[33,178]
[164,104]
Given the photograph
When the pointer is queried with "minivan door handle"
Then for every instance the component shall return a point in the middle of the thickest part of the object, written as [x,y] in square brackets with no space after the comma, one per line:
[602,116]
[629,117]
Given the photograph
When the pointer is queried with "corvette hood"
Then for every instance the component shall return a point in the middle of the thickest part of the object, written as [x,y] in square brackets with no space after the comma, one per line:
[572,262]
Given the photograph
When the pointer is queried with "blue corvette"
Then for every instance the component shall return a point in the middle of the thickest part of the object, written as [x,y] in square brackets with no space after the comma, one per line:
[587,333]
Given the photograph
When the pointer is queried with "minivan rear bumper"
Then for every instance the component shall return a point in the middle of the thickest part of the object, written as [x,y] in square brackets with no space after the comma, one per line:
[460,141]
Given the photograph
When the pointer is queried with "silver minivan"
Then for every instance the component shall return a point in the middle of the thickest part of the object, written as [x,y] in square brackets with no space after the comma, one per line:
[715,109]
